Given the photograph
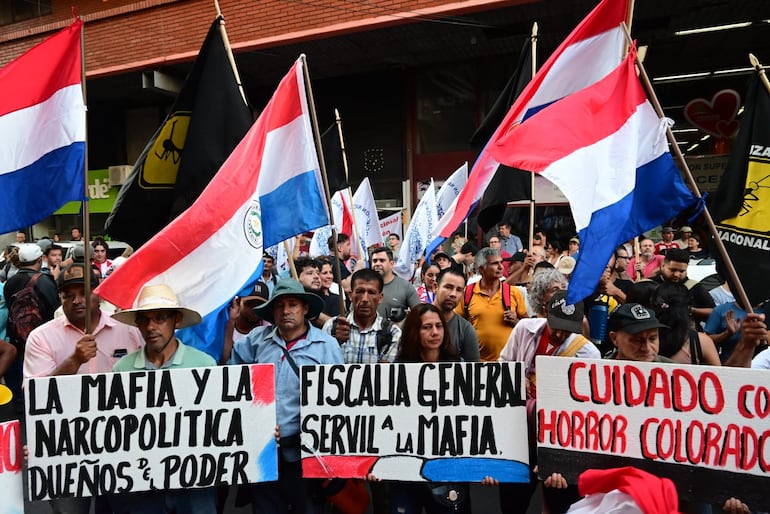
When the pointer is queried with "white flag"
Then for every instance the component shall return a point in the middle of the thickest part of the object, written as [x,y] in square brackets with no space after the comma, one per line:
[450,190]
[393,224]
[418,234]
[365,213]
[343,222]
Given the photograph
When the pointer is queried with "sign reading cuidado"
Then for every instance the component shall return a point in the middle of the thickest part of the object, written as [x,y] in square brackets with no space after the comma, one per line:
[167,429]
[449,421]
[706,428]
[10,468]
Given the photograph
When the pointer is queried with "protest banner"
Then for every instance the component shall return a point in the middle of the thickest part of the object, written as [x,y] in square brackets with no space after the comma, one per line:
[10,468]
[167,429]
[392,224]
[448,421]
[705,428]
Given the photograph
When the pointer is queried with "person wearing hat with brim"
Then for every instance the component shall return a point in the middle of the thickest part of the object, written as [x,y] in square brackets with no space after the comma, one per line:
[290,343]
[684,234]
[667,242]
[158,315]
[557,334]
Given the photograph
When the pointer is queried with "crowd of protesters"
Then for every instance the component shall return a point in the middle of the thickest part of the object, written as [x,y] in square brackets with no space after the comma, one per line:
[503,300]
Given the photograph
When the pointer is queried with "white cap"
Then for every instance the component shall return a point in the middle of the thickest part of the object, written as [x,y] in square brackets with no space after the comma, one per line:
[29,252]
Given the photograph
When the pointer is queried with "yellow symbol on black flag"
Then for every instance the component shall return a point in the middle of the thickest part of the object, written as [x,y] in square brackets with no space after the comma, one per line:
[754,216]
[162,161]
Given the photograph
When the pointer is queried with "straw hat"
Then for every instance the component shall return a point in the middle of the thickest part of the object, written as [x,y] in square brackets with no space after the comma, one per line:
[154,298]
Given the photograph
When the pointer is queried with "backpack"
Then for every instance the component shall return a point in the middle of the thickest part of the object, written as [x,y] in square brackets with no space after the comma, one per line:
[506,297]
[384,338]
[24,313]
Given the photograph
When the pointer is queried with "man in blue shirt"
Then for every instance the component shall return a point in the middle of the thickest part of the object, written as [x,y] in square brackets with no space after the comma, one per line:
[290,343]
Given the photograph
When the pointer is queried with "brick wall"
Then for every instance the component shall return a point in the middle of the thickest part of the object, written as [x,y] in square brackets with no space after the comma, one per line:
[123,34]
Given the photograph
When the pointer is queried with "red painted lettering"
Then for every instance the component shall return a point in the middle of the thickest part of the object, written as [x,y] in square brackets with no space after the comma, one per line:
[718,402]
[665,436]
[634,377]
[712,446]
[592,431]
[573,369]
[743,392]
[731,445]
[749,445]
[645,439]
[601,384]
[546,426]
[764,451]
[619,441]
[683,382]
[695,447]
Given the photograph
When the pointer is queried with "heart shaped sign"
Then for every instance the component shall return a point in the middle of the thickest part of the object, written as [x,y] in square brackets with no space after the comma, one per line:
[716,117]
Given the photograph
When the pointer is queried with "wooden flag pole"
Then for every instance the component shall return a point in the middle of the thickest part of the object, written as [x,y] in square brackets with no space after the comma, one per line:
[761,70]
[532,175]
[290,257]
[338,122]
[740,292]
[84,204]
[229,50]
[322,164]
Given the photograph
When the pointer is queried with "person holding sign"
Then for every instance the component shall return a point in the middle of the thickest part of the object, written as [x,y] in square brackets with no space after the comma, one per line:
[558,334]
[157,316]
[451,286]
[289,344]
[64,346]
[364,336]
[426,339]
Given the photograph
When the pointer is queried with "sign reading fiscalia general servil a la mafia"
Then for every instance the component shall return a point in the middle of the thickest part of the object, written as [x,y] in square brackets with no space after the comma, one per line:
[448,421]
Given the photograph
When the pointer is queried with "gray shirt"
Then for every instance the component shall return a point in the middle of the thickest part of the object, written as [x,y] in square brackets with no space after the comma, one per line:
[397,295]
[464,338]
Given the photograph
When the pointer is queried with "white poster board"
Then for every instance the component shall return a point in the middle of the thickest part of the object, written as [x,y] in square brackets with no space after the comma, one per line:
[10,468]
[704,427]
[392,224]
[167,429]
[415,422]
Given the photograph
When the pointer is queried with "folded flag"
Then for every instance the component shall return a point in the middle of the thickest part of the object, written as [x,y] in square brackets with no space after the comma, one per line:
[42,130]
[606,150]
[213,250]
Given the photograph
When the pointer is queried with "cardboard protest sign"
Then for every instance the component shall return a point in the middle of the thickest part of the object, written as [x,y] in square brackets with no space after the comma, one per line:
[415,422]
[165,429]
[704,427]
[10,468]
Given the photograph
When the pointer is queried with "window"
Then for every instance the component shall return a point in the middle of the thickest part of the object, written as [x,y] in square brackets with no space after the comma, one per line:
[12,11]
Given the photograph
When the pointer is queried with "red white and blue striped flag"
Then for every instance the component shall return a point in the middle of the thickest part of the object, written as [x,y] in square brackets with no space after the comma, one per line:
[42,130]
[588,54]
[268,190]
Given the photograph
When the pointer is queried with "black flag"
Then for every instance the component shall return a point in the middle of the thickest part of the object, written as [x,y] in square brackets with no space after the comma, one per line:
[508,184]
[208,119]
[741,204]
[333,158]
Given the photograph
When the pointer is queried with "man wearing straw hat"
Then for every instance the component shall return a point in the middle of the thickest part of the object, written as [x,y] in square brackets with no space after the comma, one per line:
[290,343]
[157,315]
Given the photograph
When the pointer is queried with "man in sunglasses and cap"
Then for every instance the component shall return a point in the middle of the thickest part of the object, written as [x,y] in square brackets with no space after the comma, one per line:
[290,343]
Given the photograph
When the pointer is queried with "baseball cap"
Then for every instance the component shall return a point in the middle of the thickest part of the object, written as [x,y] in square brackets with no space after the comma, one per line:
[633,318]
[563,316]
[666,230]
[440,255]
[29,252]
[260,291]
[469,248]
[74,274]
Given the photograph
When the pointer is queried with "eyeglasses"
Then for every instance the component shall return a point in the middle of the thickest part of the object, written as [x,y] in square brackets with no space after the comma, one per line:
[158,319]
[622,257]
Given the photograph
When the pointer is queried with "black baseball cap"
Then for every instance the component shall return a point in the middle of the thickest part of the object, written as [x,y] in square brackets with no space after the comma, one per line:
[565,316]
[633,318]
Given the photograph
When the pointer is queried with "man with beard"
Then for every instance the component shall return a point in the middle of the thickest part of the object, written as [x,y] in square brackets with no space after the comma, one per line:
[364,335]
[398,295]
[343,252]
[648,264]
[674,269]
[309,275]
[290,343]
[451,286]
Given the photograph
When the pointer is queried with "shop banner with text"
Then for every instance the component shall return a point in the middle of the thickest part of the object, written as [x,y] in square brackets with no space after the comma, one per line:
[706,428]
[415,422]
[109,433]
[10,468]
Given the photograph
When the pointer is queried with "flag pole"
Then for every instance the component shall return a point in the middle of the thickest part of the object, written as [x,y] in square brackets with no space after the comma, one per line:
[533,36]
[322,164]
[760,70]
[739,292]
[290,258]
[338,122]
[229,50]
[84,204]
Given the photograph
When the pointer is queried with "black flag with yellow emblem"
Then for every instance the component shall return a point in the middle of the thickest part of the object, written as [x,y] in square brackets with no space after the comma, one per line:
[207,121]
[741,205]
